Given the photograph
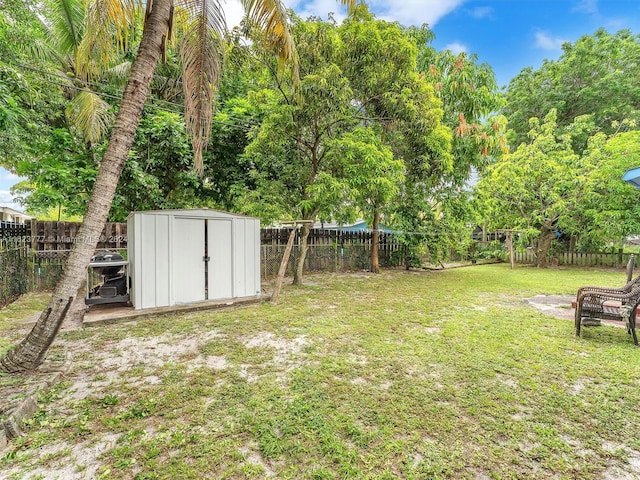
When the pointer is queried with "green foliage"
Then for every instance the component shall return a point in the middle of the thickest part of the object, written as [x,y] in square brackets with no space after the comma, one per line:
[596,75]
[62,175]
[291,176]
[14,279]
[159,173]
[606,208]
[531,189]
[372,175]
[470,101]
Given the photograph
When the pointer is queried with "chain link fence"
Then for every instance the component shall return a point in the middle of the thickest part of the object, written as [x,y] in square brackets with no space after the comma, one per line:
[320,258]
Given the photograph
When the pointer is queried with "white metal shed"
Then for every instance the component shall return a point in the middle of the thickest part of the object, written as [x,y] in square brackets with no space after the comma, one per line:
[186,256]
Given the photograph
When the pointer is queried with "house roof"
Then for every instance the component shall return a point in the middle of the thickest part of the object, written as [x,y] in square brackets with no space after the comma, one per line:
[14,213]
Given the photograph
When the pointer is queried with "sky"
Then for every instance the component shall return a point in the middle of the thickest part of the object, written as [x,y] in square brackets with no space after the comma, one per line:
[509,35]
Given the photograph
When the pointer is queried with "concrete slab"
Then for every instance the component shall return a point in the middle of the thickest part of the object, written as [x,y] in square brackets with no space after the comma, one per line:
[562,306]
[115,313]
[556,305]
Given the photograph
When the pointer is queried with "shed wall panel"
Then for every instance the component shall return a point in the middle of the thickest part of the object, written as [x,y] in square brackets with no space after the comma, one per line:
[238,257]
[163,261]
[253,266]
[131,241]
[187,260]
[221,261]
[167,250]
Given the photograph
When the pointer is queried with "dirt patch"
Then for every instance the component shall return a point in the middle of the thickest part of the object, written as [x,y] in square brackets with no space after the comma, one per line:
[136,361]
[556,305]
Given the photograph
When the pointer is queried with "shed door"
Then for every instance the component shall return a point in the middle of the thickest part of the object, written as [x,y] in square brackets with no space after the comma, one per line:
[220,251]
[188,260]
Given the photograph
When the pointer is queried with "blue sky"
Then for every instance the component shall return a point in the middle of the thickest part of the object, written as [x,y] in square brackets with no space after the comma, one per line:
[509,35]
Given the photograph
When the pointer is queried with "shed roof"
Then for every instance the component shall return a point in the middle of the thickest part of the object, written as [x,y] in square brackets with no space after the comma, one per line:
[192,212]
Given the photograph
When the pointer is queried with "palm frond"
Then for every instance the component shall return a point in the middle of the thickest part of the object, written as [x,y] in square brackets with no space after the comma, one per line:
[119,72]
[202,26]
[105,20]
[90,114]
[272,18]
[67,20]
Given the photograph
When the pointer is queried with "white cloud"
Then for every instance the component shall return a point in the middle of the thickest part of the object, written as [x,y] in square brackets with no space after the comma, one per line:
[481,12]
[234,12]
[586,6]
[318,8]
[6,198]
[6,176]
[548,42]
[407,12]
[456,48]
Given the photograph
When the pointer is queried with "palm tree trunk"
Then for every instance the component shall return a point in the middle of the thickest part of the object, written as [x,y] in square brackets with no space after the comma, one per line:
[29,354]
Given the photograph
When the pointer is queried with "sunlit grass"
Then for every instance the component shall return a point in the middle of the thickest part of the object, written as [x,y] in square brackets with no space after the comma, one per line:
[413,375]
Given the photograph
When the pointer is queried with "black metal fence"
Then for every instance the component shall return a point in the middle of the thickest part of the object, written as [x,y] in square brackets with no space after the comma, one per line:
[10,230]
[14,271]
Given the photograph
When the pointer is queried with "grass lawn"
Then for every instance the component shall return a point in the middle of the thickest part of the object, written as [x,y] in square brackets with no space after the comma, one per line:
[416,375]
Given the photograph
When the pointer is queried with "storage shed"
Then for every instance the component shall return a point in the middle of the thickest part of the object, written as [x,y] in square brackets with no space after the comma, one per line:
[186,256]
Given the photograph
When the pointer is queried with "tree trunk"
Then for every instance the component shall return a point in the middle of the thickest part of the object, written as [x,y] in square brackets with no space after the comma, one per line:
[283,266]
[304,246]
[544,244]
[375,261]
[29,354]
[75,316]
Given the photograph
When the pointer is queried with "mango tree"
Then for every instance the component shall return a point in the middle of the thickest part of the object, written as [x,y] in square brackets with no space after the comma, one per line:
[531,189]
[596,75]
[373,175]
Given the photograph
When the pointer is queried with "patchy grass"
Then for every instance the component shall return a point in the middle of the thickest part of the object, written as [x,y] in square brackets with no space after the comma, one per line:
[411,375]
[27,306]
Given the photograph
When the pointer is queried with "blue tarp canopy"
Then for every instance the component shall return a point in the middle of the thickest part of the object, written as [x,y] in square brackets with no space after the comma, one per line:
[633,177]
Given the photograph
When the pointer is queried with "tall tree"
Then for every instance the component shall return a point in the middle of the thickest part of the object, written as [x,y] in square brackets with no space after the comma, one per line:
[605,209]
[290,150]
[530,189]
[382,65]
[200,57]
[360,74]
[374,176]
[597,75]
[471,103]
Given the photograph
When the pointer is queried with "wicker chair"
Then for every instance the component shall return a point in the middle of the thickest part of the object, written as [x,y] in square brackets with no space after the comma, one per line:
[609,304]
[631,282]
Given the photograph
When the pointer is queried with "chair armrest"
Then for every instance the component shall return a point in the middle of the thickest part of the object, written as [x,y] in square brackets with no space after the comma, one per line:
[599,296]
[624,289]
[614,290]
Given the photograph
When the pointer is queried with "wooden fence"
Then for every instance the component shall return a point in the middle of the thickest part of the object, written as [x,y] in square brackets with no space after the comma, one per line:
[52,239]
[597,259]
[56,236]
